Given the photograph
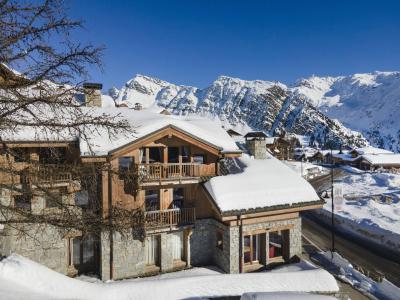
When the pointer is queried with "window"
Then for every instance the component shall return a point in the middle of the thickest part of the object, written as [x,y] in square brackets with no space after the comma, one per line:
[252,248]
[173,154]
[219,240]
[83,251]
[185,154]
[152,200]
[177,245]
[199,159]
[52,155]
[177,197]
[125,164]
[275,244]
[152,250]
[155,154]
[20,154]
[23,202]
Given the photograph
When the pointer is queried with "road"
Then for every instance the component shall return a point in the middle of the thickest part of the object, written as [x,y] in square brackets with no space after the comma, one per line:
[346,246]
[349,249]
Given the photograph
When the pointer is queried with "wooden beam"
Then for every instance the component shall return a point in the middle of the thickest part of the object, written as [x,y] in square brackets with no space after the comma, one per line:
[160,134]
[274,212]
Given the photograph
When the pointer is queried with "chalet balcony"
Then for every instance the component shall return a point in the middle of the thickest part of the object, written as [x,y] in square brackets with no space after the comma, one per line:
[47,174]
[174,171]
[170,217]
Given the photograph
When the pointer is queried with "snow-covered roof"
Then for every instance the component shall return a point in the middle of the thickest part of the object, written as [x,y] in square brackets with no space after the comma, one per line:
[259,184]
[98,142]
[345,156]
[371,150]
[147,122]
[382,159]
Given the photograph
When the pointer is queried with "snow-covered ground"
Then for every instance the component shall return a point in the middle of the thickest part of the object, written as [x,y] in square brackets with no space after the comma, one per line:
[370,209]
[21,278]
[343,269]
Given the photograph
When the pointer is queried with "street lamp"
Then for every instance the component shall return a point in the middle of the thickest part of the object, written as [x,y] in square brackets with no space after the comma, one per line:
[332,207]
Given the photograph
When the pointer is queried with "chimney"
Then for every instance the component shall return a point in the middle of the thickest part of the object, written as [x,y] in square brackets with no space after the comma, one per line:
[92,94]
[256,144]
[138,106]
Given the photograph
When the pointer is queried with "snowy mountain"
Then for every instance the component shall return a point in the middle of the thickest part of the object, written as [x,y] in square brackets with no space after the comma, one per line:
[241,104]
[368,103]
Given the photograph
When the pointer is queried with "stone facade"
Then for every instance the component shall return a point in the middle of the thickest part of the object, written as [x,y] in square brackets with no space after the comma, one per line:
[257,148]
[203,245]
[204,250]
[40,243]
[129,256]
[51,249]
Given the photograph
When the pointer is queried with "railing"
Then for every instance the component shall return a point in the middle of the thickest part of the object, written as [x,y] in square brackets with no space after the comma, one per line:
[160,171]
[170,217]
[48,174]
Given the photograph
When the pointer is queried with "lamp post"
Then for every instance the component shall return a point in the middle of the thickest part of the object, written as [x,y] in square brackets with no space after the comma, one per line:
[332,207]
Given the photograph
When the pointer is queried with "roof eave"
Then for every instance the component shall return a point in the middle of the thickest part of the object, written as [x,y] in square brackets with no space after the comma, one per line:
[271,208]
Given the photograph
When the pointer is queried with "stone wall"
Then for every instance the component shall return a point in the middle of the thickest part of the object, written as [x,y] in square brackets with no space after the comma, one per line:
[204,250]
[203,245]
[129,256]
[41,243]
[257,148]
[294,233]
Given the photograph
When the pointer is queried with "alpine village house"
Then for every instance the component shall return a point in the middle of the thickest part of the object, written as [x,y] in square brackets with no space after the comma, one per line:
[173,169]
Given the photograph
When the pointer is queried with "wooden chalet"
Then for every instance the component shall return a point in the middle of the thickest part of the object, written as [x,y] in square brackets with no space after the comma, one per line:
[164,171]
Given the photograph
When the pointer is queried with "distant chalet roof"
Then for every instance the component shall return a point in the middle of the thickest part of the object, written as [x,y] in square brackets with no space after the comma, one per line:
[232,132]
[255,134]
[383,159]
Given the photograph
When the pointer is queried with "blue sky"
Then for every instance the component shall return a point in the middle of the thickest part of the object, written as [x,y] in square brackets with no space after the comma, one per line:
[192,42]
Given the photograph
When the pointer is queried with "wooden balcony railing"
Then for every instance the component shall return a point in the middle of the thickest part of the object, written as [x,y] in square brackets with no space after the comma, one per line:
[161,171]
[48,174]
[170,217]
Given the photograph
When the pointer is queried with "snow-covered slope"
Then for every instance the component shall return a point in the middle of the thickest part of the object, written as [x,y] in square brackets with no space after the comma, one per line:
[261,105]
[369,103]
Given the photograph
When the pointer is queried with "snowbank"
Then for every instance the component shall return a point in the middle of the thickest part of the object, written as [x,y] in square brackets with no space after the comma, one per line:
[20,274]
[370,210]
[259,184]
[344,270]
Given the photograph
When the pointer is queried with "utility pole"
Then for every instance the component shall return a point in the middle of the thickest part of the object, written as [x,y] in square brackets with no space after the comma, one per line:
[332,207]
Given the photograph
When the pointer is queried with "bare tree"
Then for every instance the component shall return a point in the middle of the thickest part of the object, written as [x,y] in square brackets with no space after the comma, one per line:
[40,101]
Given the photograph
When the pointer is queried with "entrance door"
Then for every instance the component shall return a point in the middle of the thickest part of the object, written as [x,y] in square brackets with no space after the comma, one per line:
[152,250]
[177,245]
[84,254]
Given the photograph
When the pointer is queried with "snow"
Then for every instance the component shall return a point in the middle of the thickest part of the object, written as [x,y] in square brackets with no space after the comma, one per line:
[22,278]
[365,211]
[146,122]
[252,104]
[306,168]
[259,184]
[382,159]
[97,141]
[372,150]
[346,271]
[363,102]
